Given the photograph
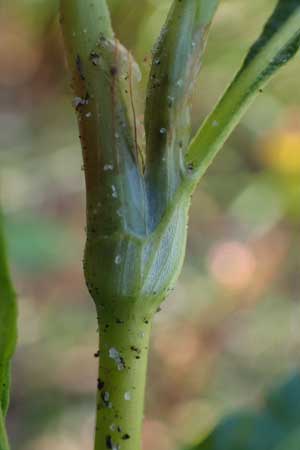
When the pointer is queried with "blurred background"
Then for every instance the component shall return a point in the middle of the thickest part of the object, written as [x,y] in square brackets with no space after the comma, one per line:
[231,328]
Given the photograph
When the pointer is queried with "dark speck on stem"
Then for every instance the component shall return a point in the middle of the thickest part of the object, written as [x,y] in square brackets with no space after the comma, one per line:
[100,384]
[190,167]
[79,67]
[109,443]
[113,71]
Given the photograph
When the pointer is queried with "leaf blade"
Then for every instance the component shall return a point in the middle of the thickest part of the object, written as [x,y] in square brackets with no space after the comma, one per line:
[8,335]
[273,426]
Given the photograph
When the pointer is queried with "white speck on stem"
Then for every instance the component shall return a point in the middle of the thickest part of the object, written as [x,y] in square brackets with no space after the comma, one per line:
[115,355]
[89,114]
[108,167]
[78,101]
[113,427]
[215,123]
[170,101]
[163,131]
[127,396]
[114,191]
[179,83]
[106,396]
[118,260]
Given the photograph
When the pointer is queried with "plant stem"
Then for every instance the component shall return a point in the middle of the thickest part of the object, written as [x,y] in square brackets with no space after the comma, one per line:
[121,384]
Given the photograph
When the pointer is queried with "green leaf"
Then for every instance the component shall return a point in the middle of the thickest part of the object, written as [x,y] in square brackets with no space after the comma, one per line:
[48,246]
[292,442]
[177,59]
[277,44]
[8,333]
[275,426]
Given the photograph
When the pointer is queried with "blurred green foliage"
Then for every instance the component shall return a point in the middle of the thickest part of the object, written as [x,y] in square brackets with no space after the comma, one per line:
[276,424]
[36,243]
[8,319]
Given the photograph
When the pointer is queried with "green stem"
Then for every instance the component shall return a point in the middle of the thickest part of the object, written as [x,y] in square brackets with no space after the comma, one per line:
[121,384]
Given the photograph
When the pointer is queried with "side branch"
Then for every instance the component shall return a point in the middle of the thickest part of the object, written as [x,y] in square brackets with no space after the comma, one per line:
[277,44]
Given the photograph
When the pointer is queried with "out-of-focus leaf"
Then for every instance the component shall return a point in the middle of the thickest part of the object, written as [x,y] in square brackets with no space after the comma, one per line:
[274,427]
[8,317]
[48,245]
[292,442]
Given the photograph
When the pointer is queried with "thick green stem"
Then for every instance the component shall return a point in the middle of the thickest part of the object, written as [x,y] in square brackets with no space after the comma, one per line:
[121,384]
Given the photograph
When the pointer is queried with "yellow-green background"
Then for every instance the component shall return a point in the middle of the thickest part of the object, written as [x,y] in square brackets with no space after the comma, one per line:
[231,328]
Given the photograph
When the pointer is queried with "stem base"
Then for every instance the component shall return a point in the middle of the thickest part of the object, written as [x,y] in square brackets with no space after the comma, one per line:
[121,384]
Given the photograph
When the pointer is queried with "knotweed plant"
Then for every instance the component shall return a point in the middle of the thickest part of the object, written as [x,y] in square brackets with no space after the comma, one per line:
[138,192]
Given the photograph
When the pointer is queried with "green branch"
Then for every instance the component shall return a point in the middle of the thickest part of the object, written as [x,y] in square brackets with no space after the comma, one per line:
[177,60]
[278,43]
